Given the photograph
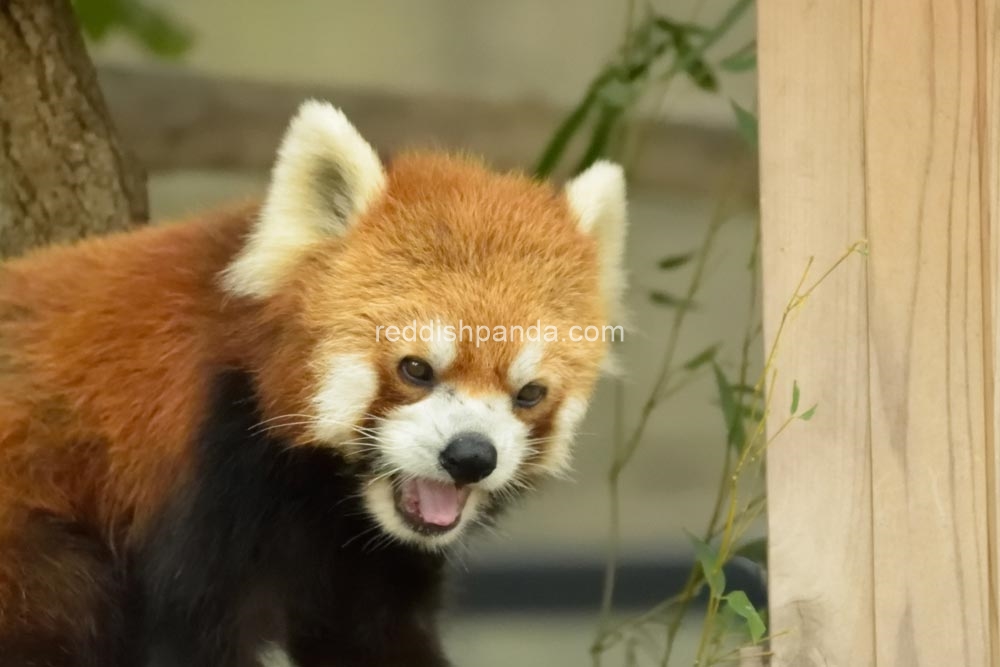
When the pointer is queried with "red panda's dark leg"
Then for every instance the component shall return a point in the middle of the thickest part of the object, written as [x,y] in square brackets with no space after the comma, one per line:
[59,605]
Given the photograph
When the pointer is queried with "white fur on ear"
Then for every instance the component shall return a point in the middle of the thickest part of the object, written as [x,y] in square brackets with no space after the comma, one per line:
[597,196]
[324,177]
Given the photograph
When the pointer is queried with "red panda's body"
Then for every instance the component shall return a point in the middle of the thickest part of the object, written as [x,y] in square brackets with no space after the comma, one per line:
[208,456]
[106,347]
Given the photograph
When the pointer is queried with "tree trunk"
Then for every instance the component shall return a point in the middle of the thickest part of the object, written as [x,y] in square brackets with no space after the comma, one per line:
[63,174]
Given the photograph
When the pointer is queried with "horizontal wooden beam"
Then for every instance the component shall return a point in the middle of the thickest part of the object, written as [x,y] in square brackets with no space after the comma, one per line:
[174,119]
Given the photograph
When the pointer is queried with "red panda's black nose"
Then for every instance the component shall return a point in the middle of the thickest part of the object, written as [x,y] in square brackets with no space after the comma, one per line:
[469,457]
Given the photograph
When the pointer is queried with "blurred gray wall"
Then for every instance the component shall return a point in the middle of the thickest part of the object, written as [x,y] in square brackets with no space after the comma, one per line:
[545,50]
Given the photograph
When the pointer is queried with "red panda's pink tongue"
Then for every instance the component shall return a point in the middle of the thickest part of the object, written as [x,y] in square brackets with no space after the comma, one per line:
[439,503]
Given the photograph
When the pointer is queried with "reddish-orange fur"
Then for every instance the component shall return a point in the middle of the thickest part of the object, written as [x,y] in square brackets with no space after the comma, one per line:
[104,348]
[107,347]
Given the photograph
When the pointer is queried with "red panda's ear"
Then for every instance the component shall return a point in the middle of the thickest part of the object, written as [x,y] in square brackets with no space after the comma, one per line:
[597,196]
[326,175]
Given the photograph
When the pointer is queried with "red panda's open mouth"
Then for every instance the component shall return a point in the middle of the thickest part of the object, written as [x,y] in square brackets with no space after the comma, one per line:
[430,506]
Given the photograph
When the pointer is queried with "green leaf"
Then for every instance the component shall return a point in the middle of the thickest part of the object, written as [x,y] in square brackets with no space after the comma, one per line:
[729,624]
[618,93]
[731,409]
[553,153]
[158,33]
[795,396]
[702,358]
[669,25]
[554,150]
[742,59]
[753,412]
[96,17]
[675,261]
[707,38]
[711,568]
[689,60]
[697,69]
[156,30]
[739,603]
[746,122]
[648,44]
[600,137]
[754,550]
[808,414]
[669,300]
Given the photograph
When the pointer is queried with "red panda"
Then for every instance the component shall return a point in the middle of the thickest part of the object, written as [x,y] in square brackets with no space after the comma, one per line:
[210,454]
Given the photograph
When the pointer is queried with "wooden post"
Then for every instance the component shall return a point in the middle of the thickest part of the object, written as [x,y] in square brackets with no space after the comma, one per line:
[880,120]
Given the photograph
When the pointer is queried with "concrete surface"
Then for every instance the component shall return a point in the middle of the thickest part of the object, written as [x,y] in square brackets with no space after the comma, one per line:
[550,641]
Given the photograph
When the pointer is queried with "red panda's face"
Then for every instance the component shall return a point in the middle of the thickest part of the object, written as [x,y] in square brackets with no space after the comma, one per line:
[451,320]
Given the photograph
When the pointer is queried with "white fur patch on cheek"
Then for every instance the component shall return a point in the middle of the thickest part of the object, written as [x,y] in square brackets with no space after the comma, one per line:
[347,388]
[526,364]
[272,655]
[556,459]
[411,438]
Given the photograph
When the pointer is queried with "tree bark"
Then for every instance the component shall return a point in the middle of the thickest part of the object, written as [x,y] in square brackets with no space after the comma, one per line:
[63,173]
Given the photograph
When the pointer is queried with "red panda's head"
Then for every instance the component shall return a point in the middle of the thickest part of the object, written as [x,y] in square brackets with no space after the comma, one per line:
[440,324]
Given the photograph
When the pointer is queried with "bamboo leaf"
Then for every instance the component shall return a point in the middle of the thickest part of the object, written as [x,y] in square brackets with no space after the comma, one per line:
[669,300]
[710,37]
[600,137]
[746,122]
[668,25]
[753,412]
[96,17]
[154,29]
[702,358]
[675,261]
[618,93]
[711,568]
[689,59]
[808,414]
[696,68]
[742,59]
[795,397]
[553,153]
[740,603]
[731,409]
[554,150]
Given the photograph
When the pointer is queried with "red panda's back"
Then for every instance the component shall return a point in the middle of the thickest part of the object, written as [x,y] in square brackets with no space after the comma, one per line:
[103,350]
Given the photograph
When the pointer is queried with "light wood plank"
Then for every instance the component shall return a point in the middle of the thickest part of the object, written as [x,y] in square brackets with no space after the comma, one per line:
[989,119]
[922,159]
[926,333]
[812,206]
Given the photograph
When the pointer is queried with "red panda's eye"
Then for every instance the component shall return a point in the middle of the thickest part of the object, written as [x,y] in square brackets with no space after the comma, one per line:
[530,395]
[416,371]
